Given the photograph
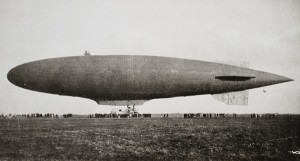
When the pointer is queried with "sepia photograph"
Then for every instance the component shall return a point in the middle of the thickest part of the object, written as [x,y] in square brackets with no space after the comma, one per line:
[149,80]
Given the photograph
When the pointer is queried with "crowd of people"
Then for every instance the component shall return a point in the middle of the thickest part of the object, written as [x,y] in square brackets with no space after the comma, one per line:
[32,115]
[186,115]
[234,115]
[208,115]
[268,115]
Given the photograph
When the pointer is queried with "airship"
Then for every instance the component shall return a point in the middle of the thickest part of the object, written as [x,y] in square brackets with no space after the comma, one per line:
[123,80]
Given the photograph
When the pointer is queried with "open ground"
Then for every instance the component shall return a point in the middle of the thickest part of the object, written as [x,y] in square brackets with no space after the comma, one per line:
[150,139]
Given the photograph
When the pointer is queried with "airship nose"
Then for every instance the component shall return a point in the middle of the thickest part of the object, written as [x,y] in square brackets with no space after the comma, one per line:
[265,79]
[282,79]
[16,77]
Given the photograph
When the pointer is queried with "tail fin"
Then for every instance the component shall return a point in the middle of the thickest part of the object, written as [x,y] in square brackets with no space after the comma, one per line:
[233,98]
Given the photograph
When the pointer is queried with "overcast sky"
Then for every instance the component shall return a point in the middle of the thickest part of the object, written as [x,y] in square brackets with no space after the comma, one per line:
[265,33]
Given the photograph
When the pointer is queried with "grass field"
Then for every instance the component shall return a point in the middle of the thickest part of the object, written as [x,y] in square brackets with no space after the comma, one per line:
[150,139]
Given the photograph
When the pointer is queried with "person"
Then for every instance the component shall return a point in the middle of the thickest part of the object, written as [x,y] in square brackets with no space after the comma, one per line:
[87,53]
